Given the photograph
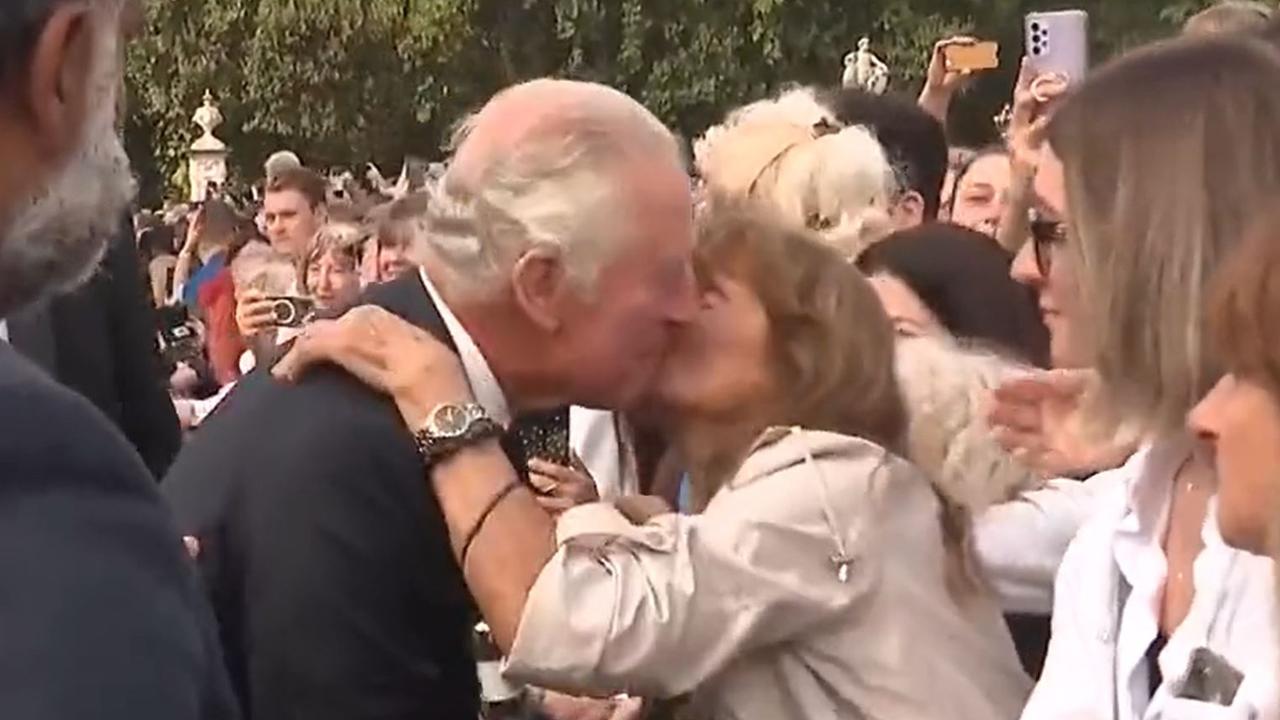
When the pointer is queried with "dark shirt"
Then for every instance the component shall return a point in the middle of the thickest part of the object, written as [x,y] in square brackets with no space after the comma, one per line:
[324,550]
[101,615]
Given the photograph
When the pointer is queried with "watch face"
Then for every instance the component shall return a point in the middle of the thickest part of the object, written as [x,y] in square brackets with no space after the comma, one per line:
[450,421]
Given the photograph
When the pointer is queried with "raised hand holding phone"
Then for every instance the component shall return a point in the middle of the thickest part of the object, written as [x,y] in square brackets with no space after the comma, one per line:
[1058,42]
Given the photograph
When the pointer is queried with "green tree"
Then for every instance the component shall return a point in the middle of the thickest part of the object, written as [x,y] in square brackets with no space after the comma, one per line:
[343,82]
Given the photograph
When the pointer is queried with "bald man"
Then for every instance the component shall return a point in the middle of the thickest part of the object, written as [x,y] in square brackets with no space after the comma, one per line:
[560,243]
[101,617]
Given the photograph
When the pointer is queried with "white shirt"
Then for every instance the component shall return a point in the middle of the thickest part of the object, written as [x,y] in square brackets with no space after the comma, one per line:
[4,330]
[593,434]
[1020,543]
[601,444]
[1105,613]
[484,385]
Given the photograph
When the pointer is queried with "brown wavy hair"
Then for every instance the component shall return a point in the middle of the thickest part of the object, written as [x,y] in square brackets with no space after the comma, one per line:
[832,348]
[831,345]
[1244,304]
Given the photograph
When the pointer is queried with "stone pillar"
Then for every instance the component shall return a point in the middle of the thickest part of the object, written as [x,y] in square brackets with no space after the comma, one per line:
[207,160]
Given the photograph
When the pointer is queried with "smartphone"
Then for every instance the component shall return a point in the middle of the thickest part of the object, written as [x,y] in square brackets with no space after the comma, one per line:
[291,312]
[1058,42]
[978,56]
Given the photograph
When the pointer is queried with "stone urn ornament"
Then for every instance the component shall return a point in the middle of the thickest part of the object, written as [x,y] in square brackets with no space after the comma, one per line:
[207,160]
[864,69]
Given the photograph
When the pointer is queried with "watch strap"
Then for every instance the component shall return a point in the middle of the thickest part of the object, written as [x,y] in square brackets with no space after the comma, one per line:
[433,449]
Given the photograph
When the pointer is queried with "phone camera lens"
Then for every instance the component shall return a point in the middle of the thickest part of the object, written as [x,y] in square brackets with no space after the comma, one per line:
[1035,26]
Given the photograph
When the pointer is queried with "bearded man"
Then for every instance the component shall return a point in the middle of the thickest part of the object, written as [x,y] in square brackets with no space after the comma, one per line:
[101,616]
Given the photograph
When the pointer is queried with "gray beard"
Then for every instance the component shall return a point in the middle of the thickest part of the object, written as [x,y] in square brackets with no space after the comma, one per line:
[59,235]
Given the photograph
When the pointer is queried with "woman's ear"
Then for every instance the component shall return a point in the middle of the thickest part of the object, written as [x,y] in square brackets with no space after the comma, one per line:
[908,210]
[539,282]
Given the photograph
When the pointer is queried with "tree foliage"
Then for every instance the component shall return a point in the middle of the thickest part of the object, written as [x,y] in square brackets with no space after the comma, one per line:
[344,82]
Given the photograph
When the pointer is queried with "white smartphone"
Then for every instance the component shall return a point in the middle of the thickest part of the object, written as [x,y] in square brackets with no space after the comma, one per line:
[1058,42]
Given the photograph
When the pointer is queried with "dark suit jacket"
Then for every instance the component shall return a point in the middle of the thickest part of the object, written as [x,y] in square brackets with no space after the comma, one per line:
[100,340]
[325,552]
[101,614]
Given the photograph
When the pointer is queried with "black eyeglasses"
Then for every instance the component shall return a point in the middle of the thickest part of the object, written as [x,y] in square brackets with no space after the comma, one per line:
[1044,235]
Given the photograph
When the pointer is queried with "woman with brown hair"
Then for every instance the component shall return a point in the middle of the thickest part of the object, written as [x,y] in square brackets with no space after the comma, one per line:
[823,577]
[1152,170]
[1240,418]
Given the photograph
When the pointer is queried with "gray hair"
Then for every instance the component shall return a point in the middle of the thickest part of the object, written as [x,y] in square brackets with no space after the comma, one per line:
[558,187]
[945,387]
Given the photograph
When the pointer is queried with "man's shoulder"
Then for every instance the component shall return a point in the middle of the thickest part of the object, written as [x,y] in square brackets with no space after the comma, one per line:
[51,432]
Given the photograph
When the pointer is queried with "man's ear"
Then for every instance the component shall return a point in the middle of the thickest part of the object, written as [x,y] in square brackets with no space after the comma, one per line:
[908,210]
[539,282]
[59,78]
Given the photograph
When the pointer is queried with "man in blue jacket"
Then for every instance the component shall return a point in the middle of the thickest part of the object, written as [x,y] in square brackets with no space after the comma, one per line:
[101,616]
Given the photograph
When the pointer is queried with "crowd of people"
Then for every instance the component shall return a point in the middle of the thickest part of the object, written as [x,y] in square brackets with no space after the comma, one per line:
[817,417]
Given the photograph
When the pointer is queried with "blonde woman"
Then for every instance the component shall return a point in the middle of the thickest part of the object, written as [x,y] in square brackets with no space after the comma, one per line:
[329,271]
[1152,170]
[792,157]
[822,576]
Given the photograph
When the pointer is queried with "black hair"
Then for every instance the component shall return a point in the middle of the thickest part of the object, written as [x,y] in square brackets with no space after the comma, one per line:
[963,170]
[962,276]
[20,24]
[912,138]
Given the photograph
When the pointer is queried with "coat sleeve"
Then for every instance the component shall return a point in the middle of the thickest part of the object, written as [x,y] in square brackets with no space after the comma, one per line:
[100,615]
[147,414]
[1020,544]
[658,609]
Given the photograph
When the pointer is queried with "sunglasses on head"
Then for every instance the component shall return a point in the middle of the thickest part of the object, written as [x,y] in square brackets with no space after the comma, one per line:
[1045,234]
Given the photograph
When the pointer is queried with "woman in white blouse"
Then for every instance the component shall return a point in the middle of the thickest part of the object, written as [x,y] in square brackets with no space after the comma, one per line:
[1153,170]
[823,577]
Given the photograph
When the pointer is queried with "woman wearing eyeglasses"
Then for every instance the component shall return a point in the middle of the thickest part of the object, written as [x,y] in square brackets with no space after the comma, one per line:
[1151,172]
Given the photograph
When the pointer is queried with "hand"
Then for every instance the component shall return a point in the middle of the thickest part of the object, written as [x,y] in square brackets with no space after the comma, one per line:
[195,228]
[940,78]
[1034,97]
[941,83]
[562,487]
[1040,420]
[640,509]
[386,353]
[254,313]
[564,707]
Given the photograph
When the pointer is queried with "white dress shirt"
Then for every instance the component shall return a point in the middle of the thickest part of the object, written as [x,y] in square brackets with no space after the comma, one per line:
[484,385]
[1020,543]
[1108,595]
[601,443]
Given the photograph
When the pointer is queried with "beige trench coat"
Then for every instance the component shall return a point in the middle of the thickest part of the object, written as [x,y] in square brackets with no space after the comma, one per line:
[747,607]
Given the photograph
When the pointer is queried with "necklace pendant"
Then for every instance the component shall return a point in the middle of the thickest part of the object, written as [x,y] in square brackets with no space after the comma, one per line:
[841,564]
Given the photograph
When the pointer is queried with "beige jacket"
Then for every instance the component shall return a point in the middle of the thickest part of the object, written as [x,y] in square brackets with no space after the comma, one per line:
[747,607]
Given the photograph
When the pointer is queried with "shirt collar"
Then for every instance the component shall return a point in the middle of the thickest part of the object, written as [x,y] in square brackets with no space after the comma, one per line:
[484,384]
